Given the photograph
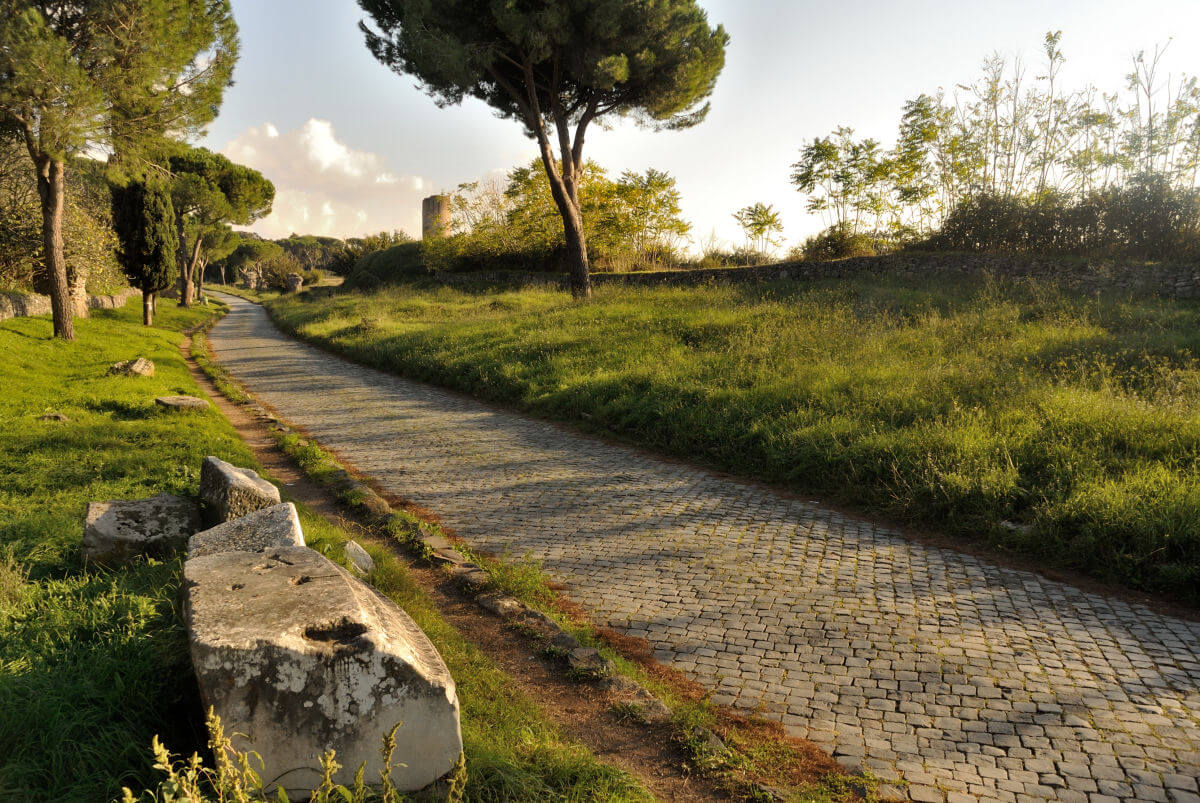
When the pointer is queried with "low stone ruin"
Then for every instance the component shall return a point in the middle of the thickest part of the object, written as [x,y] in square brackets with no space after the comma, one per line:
[261,530]
[182,402]
[228,492]
[294,282]
[293,653]
[137,367]
[251,278]
[116,532]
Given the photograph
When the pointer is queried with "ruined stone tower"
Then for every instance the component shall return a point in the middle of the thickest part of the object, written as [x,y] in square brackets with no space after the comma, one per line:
[435,216]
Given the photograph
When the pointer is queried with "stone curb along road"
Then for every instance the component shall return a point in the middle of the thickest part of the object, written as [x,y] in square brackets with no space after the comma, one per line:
[958,676]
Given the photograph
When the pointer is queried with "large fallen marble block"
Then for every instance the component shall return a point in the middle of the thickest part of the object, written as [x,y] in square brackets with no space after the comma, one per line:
[229,492]
[273,526]
[117,531]
[300,657]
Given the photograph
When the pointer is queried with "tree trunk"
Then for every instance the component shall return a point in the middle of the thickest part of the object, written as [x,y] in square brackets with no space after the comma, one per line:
[566,198]
[577,254]
[147,308]
[187,264]
[202,265]
[51,189]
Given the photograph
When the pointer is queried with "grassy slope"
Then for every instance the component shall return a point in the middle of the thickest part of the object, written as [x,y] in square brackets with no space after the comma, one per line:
[957,402]
[92,663]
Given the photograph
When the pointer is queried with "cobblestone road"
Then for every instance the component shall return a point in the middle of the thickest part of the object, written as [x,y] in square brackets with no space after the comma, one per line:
[965,679]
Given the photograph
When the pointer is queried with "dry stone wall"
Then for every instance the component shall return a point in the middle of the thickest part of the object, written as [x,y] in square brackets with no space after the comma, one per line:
[1171,281]
[17,305]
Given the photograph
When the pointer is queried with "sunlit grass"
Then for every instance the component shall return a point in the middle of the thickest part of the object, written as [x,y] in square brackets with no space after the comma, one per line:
[93,663]
[955,402]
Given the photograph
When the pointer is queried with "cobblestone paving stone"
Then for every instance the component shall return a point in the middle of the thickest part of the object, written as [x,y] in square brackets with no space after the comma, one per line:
[964,679]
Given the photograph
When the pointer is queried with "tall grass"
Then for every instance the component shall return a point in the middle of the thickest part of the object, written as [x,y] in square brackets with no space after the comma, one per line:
[958,402]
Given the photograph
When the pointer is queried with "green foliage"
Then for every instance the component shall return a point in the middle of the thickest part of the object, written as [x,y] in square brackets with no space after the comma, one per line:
[388,266]
[653,62]
[118,75]
[1147,219]
[950,401]
[92,662]
[762,225]
[209,192]
[631,223]
[1017,165]
[208,189]
[89,244]
[556,71]
[839,242]
[144,221]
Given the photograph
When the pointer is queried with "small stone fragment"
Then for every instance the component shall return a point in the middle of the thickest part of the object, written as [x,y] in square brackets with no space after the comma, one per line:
[138,367]
[358,557]
[117,531]
[589,661]
[648,708]
[182,402]
[565,641]
[499,603]
[229,492]
[53,417]
[620,684]
[255,532]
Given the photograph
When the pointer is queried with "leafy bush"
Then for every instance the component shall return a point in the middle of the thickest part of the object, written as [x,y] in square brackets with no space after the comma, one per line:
[275,269]
[404,261]
[838,242]
[1148,218]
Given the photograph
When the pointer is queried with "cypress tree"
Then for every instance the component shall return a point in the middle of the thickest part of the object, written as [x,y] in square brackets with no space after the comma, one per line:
[144,221]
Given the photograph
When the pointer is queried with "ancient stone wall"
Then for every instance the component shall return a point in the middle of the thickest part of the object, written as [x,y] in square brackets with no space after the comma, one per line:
[16,305]
[1173,281]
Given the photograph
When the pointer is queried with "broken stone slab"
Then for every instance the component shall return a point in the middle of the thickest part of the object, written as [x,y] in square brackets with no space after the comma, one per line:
[117,531]
[182,402]
[499,603]
[565,641]
[138,367]
[450,557]
[648,708]
[358,557]
[589,661]
[259,531]
[299,656]
[229,492]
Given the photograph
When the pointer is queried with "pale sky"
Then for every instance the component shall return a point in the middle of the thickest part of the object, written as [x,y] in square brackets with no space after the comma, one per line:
[352,147]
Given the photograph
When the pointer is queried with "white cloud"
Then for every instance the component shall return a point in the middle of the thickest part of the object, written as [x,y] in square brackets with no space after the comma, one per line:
[323,186]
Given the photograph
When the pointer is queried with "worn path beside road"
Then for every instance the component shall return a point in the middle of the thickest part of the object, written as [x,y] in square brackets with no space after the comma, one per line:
[962,677]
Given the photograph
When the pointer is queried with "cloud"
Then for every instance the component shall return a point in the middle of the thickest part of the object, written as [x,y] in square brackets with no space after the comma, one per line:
[323,186]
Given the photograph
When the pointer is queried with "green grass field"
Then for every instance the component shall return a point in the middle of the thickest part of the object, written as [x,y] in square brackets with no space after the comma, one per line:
[93,663]
[956,402]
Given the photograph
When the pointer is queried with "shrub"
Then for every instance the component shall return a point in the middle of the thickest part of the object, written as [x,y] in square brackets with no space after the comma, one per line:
[839,242]
[403,261]
[1147,218]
